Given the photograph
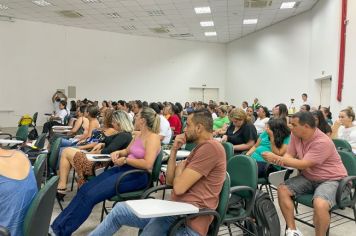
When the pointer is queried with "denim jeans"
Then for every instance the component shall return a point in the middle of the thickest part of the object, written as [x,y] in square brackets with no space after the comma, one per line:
[97,190]
[122,215]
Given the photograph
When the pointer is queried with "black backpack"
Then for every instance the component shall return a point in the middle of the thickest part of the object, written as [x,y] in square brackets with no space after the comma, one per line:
[33,135]
[265,215]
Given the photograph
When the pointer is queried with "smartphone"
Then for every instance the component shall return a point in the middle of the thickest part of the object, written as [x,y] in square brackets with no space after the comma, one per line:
[100,157]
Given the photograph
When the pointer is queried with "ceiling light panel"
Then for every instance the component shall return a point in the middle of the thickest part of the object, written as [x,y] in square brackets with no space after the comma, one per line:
[209,34]
[42,3]
[287,5]
[250,21]
[91,1]
[206,23]
[202,10]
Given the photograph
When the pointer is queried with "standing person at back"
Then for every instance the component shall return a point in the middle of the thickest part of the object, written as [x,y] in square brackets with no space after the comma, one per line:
[321,169]
[197,180]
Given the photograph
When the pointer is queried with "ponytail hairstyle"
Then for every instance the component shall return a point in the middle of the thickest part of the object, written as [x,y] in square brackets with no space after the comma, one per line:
[152,119]
[349,112]
[64,103]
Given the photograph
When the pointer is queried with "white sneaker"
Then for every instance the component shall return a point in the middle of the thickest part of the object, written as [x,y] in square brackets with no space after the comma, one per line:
[293,232]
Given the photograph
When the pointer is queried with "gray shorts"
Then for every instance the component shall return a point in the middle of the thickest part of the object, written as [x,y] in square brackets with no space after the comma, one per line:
[326,190]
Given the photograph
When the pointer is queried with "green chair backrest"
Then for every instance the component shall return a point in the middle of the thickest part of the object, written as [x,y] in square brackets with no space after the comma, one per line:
[342,144]
[224,198]
[66,120]
[349,161]
[34,118]
[40,142]
[190,146]
[229,150]
[22,133]
[39,168]
[38,216]
[157,167]
[54,153]
[243,172]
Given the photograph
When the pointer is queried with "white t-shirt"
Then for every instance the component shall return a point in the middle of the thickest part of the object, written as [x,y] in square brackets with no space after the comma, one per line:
[348,134]
[62,114]
[165,130]
[260,124]
[214,115]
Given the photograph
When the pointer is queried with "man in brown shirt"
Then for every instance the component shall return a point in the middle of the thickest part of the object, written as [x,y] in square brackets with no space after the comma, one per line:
[197,180]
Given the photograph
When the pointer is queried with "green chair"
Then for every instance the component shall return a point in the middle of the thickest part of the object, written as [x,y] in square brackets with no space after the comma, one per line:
[40,142]
[39,168]
[53,157]
[229,150]
[342,201]
[38,216]
[264,182]
[34,120]
[243,174]
[120,197]
[342,144]
[218,213]
[22,133]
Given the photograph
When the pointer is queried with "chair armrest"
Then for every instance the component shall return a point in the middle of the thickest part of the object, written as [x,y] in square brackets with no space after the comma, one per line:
[126,174]
[6,134]
[4,231]
[288,173]
[149,191]
[342,186]
[95,164]
[202,212]
[250,204]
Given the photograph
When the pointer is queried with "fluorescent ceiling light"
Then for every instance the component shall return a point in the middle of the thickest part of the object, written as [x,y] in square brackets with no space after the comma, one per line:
[207,23]
[42,3]
[210,34]
[3,7]
[91,1]
[250,21]
[287,5]
[202,10]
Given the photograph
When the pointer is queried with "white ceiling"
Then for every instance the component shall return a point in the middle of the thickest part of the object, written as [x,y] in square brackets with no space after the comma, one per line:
[178,16]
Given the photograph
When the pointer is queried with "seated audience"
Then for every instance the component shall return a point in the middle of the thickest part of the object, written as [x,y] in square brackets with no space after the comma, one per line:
[197,181]
[281,111]
[314,154]
[244,106]
[103,108]
[249,113]
[140,154]
[173,119]
[74,157]
[327,115]
[262,119]
[211,108]
[17,189]
[221,122]
[57,119]
[304,107]
[275,139]
[321,123]
[255,105]
[165,131]
[241,132]
[344,127]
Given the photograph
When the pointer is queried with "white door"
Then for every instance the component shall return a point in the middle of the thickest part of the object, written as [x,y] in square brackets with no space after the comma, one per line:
[195,94]
[325,92]
[204,94]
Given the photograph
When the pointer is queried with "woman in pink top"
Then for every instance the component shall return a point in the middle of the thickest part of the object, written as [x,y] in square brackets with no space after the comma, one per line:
[140,154]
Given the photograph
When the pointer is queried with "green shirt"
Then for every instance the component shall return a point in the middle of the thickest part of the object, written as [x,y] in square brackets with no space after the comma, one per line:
[219,122]
[265,146]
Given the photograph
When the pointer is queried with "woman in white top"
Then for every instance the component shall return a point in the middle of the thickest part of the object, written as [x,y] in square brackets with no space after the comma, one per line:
[344,128]
[58,118]
[262,119]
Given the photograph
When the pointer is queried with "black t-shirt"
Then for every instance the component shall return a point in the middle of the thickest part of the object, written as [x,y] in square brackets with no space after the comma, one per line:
[116,142]
[246,133]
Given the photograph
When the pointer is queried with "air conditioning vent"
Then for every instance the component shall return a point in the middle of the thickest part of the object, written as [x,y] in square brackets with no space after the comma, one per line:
[70,14]
[160,30]
[257,3]
[129,27]
[114,15]
[185,35]
[155,13]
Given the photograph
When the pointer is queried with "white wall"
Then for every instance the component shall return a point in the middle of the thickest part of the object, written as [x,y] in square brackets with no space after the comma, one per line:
[37,58]
[271,64]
